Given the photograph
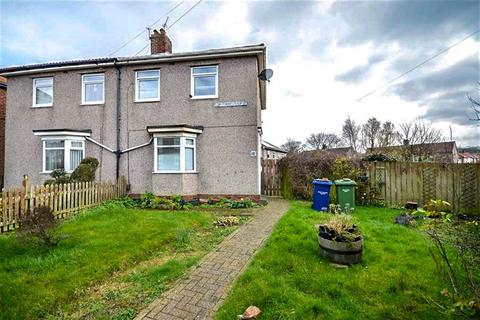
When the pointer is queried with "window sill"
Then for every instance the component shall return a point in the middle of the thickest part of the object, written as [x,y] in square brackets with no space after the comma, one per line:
[42,106]
[174,172]
[204,98]
[146,101]
[93,104]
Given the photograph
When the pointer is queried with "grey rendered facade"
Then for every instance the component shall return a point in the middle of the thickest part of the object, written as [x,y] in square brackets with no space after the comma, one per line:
[227,149]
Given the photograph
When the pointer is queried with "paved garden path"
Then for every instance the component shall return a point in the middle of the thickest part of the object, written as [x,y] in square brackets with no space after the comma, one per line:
[206,286]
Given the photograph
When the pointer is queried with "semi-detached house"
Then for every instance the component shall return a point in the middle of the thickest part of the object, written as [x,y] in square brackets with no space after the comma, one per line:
[171,123]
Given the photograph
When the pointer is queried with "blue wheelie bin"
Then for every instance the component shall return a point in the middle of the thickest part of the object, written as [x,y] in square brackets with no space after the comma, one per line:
[321,194]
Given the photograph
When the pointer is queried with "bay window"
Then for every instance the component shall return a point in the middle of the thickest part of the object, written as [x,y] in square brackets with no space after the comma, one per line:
[174,154]
[204,82]
[62,153]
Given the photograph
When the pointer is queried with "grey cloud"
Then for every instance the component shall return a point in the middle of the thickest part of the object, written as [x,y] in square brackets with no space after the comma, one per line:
[409,22]
[285,19]
[449,88]
[354,75]
[360,72]
[463,73]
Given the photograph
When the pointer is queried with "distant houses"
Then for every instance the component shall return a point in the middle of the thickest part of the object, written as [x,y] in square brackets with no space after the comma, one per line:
[271,151]
[427,152]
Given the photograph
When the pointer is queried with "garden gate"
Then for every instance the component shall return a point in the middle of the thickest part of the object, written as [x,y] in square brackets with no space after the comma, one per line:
[271,178]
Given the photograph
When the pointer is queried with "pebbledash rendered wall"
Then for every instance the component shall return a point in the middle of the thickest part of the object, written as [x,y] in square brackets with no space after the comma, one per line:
[225,163]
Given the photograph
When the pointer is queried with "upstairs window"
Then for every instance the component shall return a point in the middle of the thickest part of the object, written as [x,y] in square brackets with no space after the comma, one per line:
[147,85]
[62,154]
[204,82]
[93,88]
[174,154]
[43,92]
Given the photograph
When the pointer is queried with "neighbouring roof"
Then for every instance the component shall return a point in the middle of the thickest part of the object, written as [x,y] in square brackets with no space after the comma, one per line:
[267,145]
[3,82]
[434,148]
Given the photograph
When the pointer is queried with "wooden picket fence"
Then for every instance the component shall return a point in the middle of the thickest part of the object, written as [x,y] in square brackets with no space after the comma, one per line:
[63,199]
[399,182]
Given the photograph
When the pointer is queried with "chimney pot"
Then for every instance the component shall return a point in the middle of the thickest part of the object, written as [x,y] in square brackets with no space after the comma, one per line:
[160,43]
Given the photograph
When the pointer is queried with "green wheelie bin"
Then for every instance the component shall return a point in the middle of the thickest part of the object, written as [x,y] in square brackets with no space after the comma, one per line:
[345,193]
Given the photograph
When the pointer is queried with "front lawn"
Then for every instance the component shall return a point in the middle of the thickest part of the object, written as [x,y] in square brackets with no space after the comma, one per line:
[288,280]
[112,264]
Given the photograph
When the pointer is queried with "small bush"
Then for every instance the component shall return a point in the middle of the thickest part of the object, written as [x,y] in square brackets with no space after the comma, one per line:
[85,172]
[39,227]
[146,200]
[244,203]
[378,157]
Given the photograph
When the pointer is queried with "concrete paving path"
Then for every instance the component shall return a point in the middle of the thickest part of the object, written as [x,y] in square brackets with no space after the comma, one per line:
[203,291]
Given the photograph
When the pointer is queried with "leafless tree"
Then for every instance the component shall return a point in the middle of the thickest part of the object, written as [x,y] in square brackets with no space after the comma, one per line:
[417,135]
[388,134]
[350,132]
[475,106]
[322,140]
[292,146]
[419,131]
[371,133]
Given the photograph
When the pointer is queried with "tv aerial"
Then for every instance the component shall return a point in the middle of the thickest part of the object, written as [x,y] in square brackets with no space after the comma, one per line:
[265,75]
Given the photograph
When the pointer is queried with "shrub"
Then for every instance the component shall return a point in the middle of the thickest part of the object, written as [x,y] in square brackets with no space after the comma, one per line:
[435,209]
[85,172]
[244,203]
[39,227]
[456,254]
[300,170]
[146,200]
[59,177]
[378,157]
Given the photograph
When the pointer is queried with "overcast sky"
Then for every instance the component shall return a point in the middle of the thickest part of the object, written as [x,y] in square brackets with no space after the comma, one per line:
[325,55]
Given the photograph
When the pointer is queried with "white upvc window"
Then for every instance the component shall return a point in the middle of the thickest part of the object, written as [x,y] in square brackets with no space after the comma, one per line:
[93,88]
[204,82]
[62,153]
[147,85]
[175,153]
[42,92]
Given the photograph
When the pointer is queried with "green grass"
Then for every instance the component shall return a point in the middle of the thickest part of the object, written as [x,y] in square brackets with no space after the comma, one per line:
[289,280]
[113,262]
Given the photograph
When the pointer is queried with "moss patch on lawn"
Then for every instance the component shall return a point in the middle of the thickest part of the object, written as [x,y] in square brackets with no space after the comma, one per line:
[289,280]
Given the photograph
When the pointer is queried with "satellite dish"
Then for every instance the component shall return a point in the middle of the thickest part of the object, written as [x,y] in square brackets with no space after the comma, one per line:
[265,74]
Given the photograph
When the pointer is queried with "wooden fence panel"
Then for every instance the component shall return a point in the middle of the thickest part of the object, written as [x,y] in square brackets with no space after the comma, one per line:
[63,199]
[271,181]
[458,184]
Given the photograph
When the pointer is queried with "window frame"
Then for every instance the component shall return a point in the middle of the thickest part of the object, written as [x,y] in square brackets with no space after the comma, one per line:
[67,146]
[192,82]
[90,82]
[34,93]
[137,81]
[183,137]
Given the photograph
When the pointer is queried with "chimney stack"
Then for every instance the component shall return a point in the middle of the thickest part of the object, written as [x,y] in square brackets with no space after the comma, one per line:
[160,43]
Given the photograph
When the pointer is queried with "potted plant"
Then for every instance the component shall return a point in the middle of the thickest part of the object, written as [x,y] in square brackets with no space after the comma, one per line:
[340,240]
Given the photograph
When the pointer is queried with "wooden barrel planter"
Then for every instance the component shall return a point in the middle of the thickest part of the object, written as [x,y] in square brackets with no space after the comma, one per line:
[341,252]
